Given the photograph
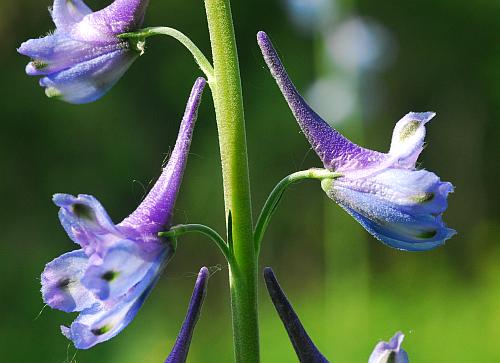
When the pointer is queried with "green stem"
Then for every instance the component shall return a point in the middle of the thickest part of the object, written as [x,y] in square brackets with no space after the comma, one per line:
[198,55]
[275,197]
[228,101]
[181,229]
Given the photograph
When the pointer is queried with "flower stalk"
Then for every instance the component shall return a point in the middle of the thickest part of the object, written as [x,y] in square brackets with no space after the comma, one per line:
[181,229]
[275,197]
[228,101]
[198,55]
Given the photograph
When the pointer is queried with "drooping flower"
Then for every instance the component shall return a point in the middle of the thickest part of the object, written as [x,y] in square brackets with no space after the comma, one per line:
[302,343]
[390,352]
[398,204]
[181,347]
[83,58]
[110,276]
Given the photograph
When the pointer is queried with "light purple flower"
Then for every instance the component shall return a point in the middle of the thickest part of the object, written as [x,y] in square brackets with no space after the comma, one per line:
[180,349]
[390,352]
[398,204]
[83,58]
[110,276]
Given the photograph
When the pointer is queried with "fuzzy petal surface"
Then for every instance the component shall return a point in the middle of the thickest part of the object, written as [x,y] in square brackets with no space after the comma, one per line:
[402,208]
[105,320]
[122,268]
[66,13]
[83,58]
[89,80]
[61,286]
[87,223]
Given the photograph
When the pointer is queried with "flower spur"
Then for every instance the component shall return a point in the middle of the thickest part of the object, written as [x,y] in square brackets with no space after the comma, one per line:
[108,279]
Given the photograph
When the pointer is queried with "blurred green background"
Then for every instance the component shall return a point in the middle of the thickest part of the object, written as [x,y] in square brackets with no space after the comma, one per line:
[349,289]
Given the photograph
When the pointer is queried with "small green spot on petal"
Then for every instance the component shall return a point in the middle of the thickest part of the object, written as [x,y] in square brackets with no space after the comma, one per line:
[82,211]
[427,234]
[52,92]
[327,184]
[102,330]
[39,64]
[423,198]
[409,129]
[110,275]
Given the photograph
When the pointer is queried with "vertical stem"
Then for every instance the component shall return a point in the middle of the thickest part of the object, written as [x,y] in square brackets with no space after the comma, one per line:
[226,90]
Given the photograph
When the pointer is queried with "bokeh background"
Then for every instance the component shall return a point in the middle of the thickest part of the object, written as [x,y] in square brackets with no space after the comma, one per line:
[363,64]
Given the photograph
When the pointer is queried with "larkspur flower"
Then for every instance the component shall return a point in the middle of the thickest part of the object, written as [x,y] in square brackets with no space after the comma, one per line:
[181,347]
[302,343]
[387,352]
[398,204]
[83,58]
[108,279]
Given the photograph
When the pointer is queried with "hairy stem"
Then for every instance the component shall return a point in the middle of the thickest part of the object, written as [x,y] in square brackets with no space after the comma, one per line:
[228,101]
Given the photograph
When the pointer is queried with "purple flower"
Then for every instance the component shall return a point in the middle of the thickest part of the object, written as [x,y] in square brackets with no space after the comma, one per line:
[110,276]
[398,204]
[181,347]
[83,58]
[303,345]
[390,352]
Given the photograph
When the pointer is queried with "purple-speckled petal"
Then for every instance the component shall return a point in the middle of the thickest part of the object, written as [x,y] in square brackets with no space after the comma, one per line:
[105,320]
[390,352]
[335,151]
[154,213]
[402,208]
[124,265]
[87,223]
[66,13]
[87,81]
[181,347]
[61,287]
[302,343]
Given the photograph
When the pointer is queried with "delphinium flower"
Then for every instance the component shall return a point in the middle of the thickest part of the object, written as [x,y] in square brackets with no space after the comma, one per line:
[110,276]
[181,347]
[397,203]
[390,352]
[83,58]
[302,343]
